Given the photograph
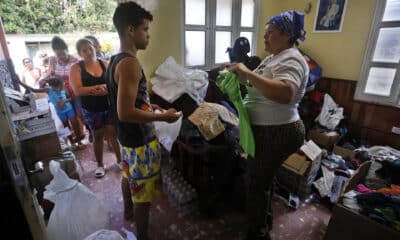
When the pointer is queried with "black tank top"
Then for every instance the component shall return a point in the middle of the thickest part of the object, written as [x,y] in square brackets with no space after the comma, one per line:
[129,134]
[93,103]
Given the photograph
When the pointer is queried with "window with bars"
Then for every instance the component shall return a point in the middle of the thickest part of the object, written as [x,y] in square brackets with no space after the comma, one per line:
[211,26]
[379,78]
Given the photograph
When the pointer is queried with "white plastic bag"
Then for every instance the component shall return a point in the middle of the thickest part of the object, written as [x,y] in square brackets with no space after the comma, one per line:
[167,132]
[104,234]
[331,114]
[77,211]
[172,80]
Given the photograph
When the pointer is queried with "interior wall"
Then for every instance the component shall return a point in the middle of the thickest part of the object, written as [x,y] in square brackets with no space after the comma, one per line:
[165,33]
[369,121]
[339,53]
[165,36]
[268,8]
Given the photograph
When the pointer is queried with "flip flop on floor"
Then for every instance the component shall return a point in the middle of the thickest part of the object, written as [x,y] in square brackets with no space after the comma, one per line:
[100,172]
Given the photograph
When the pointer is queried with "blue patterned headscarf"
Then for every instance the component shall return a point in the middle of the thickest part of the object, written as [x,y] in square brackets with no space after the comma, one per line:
[290,22]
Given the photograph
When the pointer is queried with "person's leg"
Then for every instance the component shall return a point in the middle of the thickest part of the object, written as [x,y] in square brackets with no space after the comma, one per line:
[142,211]
[64,119]
[273,146]
[75,126]
[77,106]
[109,143]
[259,182]
[127,198]
[143,185]
[98,136]
[112,137]
[90,133]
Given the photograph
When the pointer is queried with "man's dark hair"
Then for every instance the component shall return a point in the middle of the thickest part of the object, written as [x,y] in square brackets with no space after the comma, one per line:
[55,81]
[129,13]
[58,44]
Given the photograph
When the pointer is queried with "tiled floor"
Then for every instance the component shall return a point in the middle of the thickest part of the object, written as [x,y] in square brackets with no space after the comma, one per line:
[308,222]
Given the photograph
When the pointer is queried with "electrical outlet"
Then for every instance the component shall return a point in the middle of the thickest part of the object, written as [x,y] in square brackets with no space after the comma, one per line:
[396,130]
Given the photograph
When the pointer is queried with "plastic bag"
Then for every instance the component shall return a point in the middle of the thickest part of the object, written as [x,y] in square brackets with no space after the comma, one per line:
[173,80]
[228,82]
[104,234]
[331,114]
[167,132]
[77,211]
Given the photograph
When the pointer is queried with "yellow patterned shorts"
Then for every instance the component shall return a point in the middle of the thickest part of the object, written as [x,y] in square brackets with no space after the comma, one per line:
[141,166]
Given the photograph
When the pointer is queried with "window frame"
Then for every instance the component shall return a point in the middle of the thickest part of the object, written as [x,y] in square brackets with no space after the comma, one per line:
[210,30]
[394,98]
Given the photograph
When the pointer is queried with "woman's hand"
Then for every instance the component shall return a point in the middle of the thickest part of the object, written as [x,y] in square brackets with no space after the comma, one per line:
[99,90]
[240,70]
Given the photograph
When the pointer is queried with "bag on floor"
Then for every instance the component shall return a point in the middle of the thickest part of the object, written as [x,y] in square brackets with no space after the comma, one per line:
[104,234]
[331,113]
[77,211]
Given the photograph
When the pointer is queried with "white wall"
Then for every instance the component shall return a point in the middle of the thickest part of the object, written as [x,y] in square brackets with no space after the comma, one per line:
[18,49]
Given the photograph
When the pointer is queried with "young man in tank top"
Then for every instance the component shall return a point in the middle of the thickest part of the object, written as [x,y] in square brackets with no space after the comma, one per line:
[133,113]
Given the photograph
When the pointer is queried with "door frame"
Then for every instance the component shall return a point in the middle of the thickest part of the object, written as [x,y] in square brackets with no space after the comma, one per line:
[12,153]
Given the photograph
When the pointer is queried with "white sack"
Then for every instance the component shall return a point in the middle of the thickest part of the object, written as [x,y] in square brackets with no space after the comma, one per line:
[173,80]
[77,211]
[331,114]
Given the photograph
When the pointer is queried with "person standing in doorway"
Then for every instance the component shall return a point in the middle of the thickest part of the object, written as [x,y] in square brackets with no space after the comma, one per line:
[133,113]
[100,55]
[60,64]
[88,81]
[275,89]
[31,74]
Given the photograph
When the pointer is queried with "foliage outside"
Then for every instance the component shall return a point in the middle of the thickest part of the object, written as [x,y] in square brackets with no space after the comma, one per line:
[56,16]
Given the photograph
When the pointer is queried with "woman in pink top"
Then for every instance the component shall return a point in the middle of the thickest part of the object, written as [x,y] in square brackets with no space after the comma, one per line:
[60,64]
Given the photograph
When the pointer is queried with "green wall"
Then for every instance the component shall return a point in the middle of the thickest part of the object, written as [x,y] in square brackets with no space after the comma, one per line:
[340,54]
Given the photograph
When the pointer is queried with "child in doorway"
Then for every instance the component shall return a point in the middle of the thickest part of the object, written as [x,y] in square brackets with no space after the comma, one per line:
[62,103]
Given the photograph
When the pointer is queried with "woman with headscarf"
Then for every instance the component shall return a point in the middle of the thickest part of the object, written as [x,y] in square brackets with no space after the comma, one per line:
[275,88]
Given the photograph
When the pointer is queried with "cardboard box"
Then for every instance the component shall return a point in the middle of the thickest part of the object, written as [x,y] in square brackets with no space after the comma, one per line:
[346,224]
[344,221]
[299,171]
[40,148]
[346,153]
[323,139]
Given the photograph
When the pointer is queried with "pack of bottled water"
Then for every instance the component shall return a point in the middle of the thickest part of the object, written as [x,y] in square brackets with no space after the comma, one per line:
[181,195]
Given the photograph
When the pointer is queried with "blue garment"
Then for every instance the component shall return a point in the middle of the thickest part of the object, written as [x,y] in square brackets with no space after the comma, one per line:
[239,51]
[55,96]
[65,115]
[290,22]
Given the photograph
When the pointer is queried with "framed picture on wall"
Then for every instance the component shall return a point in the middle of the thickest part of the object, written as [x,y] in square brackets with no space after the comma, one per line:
[330,15]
